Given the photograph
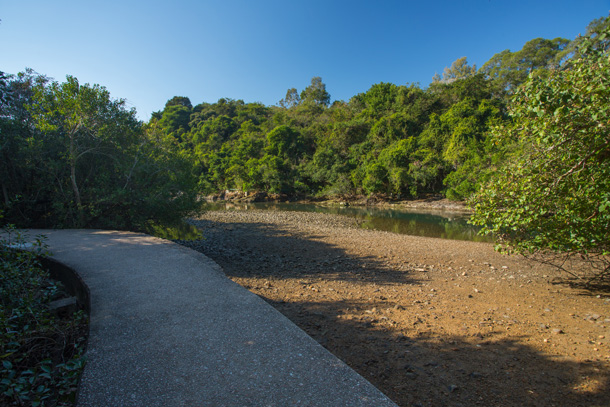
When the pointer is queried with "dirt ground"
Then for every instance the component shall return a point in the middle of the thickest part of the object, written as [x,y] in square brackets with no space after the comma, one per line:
[430,322]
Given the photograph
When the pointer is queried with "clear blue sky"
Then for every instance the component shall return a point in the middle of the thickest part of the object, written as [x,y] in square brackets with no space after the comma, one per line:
[149,51]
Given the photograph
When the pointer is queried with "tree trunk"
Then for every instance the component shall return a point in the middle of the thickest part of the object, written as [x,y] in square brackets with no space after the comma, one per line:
[7,201]
[79,205]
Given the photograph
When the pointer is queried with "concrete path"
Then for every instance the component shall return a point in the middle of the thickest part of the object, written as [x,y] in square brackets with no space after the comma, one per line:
[168,328]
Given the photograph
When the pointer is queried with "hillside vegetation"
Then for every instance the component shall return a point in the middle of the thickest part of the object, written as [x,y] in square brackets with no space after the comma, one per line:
[392,140]
[525,137]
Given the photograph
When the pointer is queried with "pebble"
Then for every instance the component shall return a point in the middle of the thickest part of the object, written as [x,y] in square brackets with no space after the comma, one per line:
[226,247]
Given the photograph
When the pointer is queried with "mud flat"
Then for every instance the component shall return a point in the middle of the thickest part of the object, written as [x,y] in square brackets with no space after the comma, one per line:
[430,322]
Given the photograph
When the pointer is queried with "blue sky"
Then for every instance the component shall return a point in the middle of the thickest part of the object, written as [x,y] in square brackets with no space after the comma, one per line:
[149,51]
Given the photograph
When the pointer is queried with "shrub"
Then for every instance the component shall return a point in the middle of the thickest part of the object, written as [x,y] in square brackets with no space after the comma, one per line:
[37,369]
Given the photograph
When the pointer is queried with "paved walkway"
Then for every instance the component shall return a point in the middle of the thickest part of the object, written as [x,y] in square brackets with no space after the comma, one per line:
[168,328]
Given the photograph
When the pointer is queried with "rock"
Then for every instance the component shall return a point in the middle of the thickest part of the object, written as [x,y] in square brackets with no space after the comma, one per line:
[557,331]
[452,388]
[67,305]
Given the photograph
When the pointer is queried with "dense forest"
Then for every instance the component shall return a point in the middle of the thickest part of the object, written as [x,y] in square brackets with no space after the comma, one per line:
[397,141]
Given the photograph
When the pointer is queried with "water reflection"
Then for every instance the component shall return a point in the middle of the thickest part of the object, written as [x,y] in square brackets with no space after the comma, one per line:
[440,224]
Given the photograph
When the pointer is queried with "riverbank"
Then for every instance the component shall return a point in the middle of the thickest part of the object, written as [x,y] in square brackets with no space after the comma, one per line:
[428,321]
[433,202]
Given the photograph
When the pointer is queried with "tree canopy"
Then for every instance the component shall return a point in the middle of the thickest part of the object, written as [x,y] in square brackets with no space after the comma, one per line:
[73,157]
[509,69]
[552,194]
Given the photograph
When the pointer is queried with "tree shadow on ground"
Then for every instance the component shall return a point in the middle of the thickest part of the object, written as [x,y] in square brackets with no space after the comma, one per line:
[419,368]
[412,365]
[248,249]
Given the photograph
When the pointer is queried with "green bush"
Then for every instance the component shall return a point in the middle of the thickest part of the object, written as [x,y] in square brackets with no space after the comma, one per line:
[37,370]
[552,195]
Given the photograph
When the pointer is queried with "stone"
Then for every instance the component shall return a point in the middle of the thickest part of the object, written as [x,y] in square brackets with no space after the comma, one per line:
[67,305]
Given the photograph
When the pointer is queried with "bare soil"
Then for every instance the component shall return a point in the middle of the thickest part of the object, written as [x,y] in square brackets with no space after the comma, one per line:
[430,322]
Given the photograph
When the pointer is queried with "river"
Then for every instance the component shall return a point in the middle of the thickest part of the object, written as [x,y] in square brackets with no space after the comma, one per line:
[428,223]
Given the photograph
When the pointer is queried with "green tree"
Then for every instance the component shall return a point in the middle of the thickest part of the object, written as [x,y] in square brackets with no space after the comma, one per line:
[396,159]
[316,93]
[175,119]
[459,70]
[87,123]
[16,165]
[292,99]
[286,143]
[592,35]
[553,195]
[510,69]
[87,161]
[179,101]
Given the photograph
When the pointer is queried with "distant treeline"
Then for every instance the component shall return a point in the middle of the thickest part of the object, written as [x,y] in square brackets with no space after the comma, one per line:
[395,140]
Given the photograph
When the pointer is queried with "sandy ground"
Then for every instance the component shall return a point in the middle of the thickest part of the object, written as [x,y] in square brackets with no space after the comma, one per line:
[430,322]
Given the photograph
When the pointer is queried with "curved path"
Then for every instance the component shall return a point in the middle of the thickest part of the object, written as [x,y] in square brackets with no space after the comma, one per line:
[168,328]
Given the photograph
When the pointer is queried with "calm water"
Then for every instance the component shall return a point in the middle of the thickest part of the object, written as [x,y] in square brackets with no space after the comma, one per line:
[441,224]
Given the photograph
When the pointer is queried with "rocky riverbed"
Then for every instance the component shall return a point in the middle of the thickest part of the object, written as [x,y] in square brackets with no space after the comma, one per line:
[430,322]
